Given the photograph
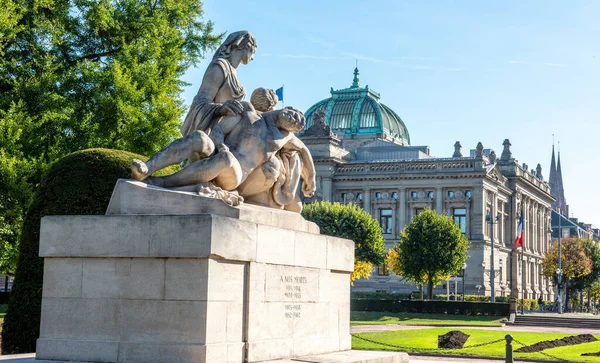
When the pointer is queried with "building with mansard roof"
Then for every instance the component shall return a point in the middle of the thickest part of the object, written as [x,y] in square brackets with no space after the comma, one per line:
[363,155]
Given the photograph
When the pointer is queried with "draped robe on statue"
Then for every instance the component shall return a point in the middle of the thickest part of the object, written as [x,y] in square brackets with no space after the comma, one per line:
[202,113]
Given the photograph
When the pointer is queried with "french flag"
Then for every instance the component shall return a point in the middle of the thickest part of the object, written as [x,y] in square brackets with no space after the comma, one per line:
[520,232]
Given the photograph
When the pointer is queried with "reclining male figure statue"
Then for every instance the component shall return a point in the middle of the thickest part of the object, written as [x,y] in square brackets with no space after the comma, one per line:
[252,141]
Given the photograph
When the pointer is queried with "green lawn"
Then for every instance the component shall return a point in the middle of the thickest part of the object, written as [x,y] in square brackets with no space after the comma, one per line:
[370,317]
[425,341]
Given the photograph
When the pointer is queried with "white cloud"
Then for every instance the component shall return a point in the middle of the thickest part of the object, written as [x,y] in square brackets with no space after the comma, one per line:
[308,56]
[555,65]
[420,58]
[441,69]
[322,43]
[548,64]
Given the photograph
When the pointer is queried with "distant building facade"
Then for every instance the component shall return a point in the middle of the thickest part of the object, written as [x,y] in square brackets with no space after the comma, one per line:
[363,155]
[562,224]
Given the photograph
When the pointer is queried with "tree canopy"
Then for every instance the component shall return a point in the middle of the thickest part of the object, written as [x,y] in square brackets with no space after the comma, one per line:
[575,259]
[77,74]
[354,223]
[430,249]
[576,263]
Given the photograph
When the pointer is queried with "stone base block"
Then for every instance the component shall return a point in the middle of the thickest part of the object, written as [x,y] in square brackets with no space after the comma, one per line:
[191,288]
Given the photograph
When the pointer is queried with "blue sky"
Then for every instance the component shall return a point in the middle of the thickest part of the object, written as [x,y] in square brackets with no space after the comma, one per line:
[453,70]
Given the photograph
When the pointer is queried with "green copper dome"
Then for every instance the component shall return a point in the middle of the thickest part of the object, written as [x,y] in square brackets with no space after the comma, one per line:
[357,111]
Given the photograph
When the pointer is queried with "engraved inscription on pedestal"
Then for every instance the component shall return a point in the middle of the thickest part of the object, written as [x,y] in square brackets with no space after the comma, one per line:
[293,292]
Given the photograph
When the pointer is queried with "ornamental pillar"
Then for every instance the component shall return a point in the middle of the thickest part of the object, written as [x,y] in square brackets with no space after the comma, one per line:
[326,183]
[367,200]
[402,208]
[439,195]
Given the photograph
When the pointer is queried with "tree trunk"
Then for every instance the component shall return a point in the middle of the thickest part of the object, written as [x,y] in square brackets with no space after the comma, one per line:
[430,289]
[421,292]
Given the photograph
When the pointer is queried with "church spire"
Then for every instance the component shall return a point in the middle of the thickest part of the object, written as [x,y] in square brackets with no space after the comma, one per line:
[552,176]
[556,184]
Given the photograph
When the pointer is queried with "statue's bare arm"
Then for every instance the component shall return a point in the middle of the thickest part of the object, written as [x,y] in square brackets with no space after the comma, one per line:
[308,166]
[225,126]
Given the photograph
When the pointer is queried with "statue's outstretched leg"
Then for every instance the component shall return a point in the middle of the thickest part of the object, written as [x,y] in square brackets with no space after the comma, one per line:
[222,168]
[196,143]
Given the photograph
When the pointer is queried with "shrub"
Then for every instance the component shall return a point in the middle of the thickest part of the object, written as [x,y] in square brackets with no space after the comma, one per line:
[530,304]
[80,183]
[431,307]
[372,295]
[354,223]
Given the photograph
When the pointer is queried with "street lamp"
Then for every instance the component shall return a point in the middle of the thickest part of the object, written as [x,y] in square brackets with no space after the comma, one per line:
[559,273]
[492,221]
[464,267]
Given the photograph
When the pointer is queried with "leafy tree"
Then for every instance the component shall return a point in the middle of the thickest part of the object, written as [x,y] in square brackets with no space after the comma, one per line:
[430,249]
[77,74]
[354,223]
[575,262]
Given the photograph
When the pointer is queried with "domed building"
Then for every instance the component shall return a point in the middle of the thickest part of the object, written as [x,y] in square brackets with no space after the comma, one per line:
[362,154]
[357,112]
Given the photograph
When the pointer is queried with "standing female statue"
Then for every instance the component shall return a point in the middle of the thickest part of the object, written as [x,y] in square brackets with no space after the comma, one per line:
[221,92]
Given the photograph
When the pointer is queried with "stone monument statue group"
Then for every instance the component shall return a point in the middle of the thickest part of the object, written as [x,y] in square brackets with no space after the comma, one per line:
[233,149]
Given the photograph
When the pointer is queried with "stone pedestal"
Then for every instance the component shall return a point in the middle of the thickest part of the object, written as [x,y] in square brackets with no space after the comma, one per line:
[234,285]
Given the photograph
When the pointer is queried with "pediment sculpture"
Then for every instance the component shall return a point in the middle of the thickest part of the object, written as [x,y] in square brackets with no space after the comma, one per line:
[236,150]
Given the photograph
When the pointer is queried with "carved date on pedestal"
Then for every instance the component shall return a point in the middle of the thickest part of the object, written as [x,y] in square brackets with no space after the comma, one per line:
[293,291]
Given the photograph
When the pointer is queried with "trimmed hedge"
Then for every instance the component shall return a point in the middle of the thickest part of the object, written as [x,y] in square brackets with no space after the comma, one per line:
[4,297]
[78,184]
[369,295]
[431,307]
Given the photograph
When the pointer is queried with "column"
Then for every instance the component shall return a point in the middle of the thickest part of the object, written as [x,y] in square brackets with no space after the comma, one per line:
[401,208]
[439,195]
[367,200]
[326,183]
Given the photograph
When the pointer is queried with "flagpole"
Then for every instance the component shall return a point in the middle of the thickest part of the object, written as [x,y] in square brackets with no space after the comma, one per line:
[522,221]
[523,274]
[282,99]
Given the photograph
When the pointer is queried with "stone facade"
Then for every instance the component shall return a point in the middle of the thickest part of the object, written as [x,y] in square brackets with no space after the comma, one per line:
[468,188]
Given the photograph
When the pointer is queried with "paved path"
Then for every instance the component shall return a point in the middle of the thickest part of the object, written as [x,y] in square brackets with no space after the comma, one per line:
[506,328]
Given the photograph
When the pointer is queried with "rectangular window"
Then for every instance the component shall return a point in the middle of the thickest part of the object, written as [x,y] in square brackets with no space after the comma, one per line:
[385,220]
[378,195]
[468,194]
[359,196]
[450,194]
[460,218]
[394,195]
[413,195]
[430,194]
